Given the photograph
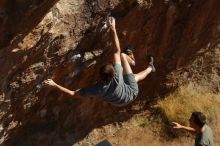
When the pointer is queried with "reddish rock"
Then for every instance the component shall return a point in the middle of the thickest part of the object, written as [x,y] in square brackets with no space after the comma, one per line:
[38,38]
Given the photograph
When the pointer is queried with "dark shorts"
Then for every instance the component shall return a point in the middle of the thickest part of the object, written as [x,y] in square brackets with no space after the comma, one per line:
[129,79]
[122,89]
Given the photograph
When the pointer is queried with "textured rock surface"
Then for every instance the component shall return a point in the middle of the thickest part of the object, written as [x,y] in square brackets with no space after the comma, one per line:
[38,40]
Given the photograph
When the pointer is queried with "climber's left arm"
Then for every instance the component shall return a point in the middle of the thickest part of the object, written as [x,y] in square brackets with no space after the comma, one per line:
[117,50]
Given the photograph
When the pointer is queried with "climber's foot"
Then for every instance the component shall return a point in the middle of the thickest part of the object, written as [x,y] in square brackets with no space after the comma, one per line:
[150,60]
[130,55]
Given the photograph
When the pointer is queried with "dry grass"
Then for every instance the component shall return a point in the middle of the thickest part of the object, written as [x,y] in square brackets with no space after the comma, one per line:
[179,105]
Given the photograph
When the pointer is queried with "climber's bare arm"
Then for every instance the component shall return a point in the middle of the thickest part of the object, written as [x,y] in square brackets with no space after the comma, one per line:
[73,93]
[117,53]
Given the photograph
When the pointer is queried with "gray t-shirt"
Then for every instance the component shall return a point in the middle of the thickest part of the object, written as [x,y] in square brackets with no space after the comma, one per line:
[205,138]
[121,90]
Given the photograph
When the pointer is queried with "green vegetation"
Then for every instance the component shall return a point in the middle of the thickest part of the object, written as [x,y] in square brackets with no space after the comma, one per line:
[179,105]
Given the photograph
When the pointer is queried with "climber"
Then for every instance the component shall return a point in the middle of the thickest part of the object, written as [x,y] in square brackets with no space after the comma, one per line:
[198,127]
[118,84]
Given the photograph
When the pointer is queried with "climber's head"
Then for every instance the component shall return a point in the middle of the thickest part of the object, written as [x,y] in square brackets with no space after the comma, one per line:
[107,72]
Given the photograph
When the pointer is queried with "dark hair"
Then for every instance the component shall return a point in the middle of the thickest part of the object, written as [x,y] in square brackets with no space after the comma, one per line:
[199,119]
[107,72]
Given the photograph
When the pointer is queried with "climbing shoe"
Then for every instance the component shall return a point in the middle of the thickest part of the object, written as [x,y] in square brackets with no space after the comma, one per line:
[129,52]
[150,60]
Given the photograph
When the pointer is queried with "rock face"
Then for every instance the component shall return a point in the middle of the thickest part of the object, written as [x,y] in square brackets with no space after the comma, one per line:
[39,39]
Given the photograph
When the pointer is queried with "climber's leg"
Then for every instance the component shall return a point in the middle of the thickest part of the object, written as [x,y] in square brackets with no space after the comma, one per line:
[143,74]
[129,78]
[125,63]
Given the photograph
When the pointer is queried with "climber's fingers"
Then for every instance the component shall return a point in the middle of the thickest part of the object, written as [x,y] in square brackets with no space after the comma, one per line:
[111,22]
[49,82]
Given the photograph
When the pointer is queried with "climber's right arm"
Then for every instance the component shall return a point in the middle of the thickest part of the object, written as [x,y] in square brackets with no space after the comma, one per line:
[50,82]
